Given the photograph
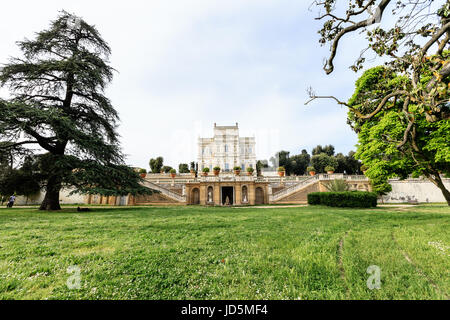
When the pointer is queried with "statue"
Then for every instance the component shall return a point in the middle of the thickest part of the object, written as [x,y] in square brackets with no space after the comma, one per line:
[210,197]
[227,201]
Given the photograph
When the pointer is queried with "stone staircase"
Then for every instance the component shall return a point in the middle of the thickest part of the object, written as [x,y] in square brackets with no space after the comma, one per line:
[166,192]
[277,196]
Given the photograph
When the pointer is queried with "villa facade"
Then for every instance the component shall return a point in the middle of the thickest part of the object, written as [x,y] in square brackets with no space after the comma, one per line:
[226,149]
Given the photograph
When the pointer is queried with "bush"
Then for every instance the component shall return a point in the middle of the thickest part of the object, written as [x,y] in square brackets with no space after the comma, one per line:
[281,169]
[250,170]
[314,198]
[311,169]
[350,199]
[216,168]
[206,170]
[329,168]
[237,168]
[173,171]
[142,171]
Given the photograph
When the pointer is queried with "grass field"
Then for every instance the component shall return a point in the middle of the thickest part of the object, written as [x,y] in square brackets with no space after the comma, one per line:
[225,253]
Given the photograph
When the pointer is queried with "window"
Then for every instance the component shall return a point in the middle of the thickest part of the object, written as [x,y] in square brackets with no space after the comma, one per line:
[243,166]
[226,148]
[227,166]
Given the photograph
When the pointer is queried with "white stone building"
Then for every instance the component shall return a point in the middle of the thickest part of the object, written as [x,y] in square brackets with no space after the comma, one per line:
[226,150]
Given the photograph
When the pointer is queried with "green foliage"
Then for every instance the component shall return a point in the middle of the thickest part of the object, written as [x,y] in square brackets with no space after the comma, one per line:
[156,164]
[281,169]
[328,150]
[314,198]
[250,170]
[166,169]
[347,164]
[183,168]
[329,168]
[260,164]
[216,168]
[205,170]
[142,171]
[23,181]
[322,160]
[380,186]
[173,171]
[396,142]
[300,162]
[57,102]
[337,185]
[237,168]
[350,199]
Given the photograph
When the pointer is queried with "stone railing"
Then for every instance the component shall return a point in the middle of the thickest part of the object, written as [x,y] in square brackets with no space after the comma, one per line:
[296,187]
[170,194]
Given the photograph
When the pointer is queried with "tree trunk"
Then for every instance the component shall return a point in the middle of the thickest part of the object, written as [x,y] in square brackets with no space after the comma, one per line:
[51,199]
[438,182]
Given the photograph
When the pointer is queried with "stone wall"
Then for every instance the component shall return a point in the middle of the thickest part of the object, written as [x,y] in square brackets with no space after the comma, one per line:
[415,189]
[64,198]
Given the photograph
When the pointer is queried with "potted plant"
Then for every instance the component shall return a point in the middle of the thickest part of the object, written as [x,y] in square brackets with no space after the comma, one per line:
[173,173]
[311,170]
[205,171]
[250,171]
[237,171]
[281,171]
[216,171]
[142,173]
[329,169]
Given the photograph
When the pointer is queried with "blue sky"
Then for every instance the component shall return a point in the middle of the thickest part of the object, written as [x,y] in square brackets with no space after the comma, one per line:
[184,65]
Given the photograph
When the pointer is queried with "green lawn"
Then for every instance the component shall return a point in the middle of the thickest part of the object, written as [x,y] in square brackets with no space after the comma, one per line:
[226,253]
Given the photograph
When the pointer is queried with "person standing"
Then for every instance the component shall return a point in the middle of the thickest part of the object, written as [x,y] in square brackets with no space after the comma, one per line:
[11,201]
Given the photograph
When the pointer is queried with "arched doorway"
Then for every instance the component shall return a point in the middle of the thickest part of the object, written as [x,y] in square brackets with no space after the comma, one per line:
[259,196]
[195,199]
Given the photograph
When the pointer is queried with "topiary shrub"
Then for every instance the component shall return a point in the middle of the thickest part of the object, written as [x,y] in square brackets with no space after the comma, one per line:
[349,199]
[314,198]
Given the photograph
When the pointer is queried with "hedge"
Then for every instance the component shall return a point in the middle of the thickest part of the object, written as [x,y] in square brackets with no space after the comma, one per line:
[351,199]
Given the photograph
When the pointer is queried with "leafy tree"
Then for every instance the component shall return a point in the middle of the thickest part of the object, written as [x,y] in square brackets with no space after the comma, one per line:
[183,168]
[329,150]
[284,161]
[300,162]
[412,46]
[347,164]
[398,140]
[166,169]
[23,181]
[156,164]
[323,160]
[57,103]
[353,165]
[261,164]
